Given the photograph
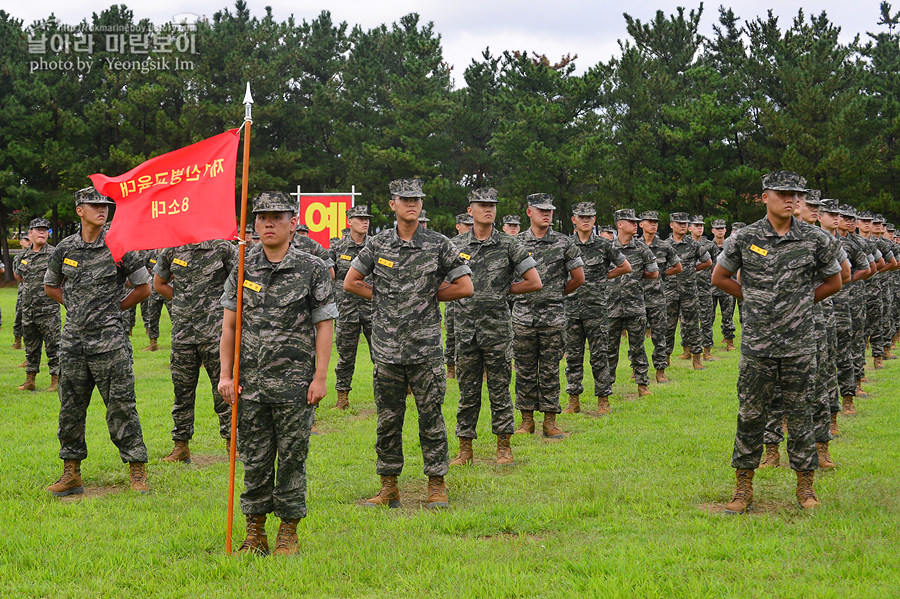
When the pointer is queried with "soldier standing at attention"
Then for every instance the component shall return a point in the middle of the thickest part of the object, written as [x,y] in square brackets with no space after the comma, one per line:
[40,314]
[302,230]
[286,332]
[857,299]
[706,307]
[785,268]
[725,302]
[192,277]
[539,319]
[95,351]
[586,312]
[887,248]
[484,333]
[423,220]
[463,225]
[608,232]
[874,304]
[151,308]
[681,291]
[511,224]
[412,269]
[654,295]
[354,313]
[24,243]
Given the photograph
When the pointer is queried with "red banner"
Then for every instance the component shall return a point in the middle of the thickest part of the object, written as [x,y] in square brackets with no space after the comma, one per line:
[325,215]
[185,196]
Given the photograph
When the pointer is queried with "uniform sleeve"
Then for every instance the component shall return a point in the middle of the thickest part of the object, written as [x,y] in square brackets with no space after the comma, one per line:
[826,257]
[452,264]
[730,258]
[573,256]
[134,269]
[857,257]
[614,256]
[702,254]
[230,258]
[229,296]
[520,257]
[841,255]
[163,268]
[365,259]
[54,277]
[321,302]
[672,257]
[650,264]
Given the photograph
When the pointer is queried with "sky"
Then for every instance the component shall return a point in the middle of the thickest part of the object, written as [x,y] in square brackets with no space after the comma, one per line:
[588,28]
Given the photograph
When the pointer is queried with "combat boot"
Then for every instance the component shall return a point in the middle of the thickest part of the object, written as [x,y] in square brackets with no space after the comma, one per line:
[877,363]
[603,407]
[698,362]
[286,543]
[848,408]
[152,346]
[742,500]
[550,430]
[180,453]
[70,481]
[437,493]
[17,344]
[825,460]
[574,405]
[661,377]
[256,541]
[860,392]
[54,383]
[772,459]
[707,355]
[643,391]
[343,400]
[28,385]
[888,355]
[388,495]
[504,451]
[138,477]
[729,345]
[23,364]
[835,432]
[465,453]
[451,371]
[806,496]
[527,426]
[686,354]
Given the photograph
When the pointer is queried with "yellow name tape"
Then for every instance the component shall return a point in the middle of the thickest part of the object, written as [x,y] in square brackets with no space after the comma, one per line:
[24,261]
[759,250]
[465,256]
[179,262]
[346,257]
[251,285]
[70,262]
[387,263]
[152,261]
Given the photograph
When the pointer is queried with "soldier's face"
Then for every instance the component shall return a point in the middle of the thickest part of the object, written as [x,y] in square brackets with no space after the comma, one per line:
[484,213]
[628,227]
[696,230]
[275,228]
[829,220]
[781,203]
[650,227]
[359,225]
[407,209]
[25,242]
[607,235]
[463,228]
[512,228]
[540,218]
[808,213]
[865,226]
[679,228]
[718,232]
[847,223]
[93,214]
[38,235]
[584,223]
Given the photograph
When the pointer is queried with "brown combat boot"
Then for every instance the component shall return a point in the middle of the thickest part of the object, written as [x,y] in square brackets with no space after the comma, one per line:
[504,451]
[70,482]
[743,493]
[772,459]
[54,383]
[437,493]
[877,363]
[707,355]
[343,400]
[179,453]
[28,385]
[286,543]
[729,345]
[661,377]
[860,392]
[644,391]
[574,405]
[23,364]
[527,426]
[152,346]
[256,541]
[451,371]
[465,453]
[138,477]
[835,432]
[888,355]
[848,408]
[603,407]
[388,495]
[551,431]
[686,354]
[806,497]
[17,344]
[825,460]
[698,362]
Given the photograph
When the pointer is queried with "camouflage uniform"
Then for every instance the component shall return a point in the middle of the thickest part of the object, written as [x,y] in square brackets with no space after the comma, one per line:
[655,297]
[706,307]
[870,305]
[310,246]
[681,292]
[17,322]
[40,313]
[724,301]
[197,274]
[151,308]
[887,251]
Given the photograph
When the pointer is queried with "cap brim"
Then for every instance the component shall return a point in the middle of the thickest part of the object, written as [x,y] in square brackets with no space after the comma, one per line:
[788,188]
[407,194]
[543,206]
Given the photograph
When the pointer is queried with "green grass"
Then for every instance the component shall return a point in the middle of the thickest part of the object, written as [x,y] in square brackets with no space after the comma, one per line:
[624,507]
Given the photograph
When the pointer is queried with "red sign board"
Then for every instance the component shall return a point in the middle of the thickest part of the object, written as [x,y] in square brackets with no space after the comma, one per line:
[325,215]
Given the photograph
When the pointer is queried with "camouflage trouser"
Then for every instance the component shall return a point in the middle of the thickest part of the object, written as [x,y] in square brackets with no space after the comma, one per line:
[347,341]
[858,313]
[707,314]
[887,312]
[636,327]
[726,308]
[17,323]
[450,325]
[592,331]
[185,365]
[658,325]
[151,310]
[681,303]
[472,362]
[267,431]
[844,356]
[128,318]
[428,383]
[112,373]
[873,319]
[43,329]
[538,352]
[833,395]
[760,381]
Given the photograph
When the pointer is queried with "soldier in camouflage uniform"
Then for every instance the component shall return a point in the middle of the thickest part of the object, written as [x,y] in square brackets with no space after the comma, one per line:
[785,268]
[874,303]
[484,333]
[706,307]
[539,319]
[423,220]
[302,230]
[192,278]
[608,232]
[586,307]
[409,266]
[654,294]
[151,308]
[511,224]
[40,314]
[725,302]
[463,225]
[681,291]
[354,313]
[25,244]
[735,227]
[887,302]
[94,351]
[857,300]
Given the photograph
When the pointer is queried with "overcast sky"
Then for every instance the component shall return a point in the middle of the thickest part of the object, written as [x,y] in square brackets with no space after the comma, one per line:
[588,28]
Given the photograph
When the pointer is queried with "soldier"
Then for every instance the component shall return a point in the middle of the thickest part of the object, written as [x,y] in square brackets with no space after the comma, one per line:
[857,300]
[706,308]
[669,265]
[484,334]
[785,268]
[302,230]
[735,227]
[193,277]
[423,220]
[874,304]
[151,308]
[887,302]
[539,319]
[725,302]
[40,314]
[94,351]
[24,243]
[586,314]
[408,266]
[286,331]
[681,290]
[511,224]
[354,312]
[310,246]
[464,224]
[607,232]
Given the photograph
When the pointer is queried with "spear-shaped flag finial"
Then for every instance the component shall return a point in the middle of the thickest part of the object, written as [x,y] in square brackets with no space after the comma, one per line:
[248,103]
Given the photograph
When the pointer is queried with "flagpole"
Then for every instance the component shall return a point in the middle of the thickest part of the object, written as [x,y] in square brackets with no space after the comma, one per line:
[232,450]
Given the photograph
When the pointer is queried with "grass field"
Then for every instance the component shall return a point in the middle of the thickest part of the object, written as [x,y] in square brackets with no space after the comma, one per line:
[628,505]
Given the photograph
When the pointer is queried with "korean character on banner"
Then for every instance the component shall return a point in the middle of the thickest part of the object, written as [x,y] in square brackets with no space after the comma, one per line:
[185,43]
[144,181]
[59,43]
[84,43]
[160,179]
[127,187]
[215,168]
[177,175]
[162,44]
[192,171]
[37,46]
[139,43]
[115,42]
[158,208]
[173,207]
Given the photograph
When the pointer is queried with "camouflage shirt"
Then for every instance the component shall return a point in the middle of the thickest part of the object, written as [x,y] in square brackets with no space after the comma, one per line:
[405,277]
[198,272]
[92,286]
[691,254]
[310,246]
[704,277]
[32,267]
[589,300]
[858,261]
[556,255]
[282,303]
[149,258]
[666,258]
[779,275]
[351,307]
[626,293]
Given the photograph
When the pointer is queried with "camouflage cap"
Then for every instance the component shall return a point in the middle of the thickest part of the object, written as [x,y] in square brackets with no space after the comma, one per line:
[464,219]
[302,227]
[865,215]
[584,209]
[407,188]
[625,214]
[542,201]
[814,197]
[39,223]
[784,181]
[679,217]
[273,201]
[487,195]
[608,229]
[511,219]
[830,205]
[649,215]
[358,211]
[422,217]
[89,195]
[848,211]
[879,219]
[718,223]
[697,219]
[737,225]
[890,227]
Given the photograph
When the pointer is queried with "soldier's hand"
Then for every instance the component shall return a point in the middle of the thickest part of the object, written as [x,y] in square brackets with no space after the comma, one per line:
[226,390]
[316,392]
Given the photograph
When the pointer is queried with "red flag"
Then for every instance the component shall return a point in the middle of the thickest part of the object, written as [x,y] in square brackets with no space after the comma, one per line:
[185,196]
